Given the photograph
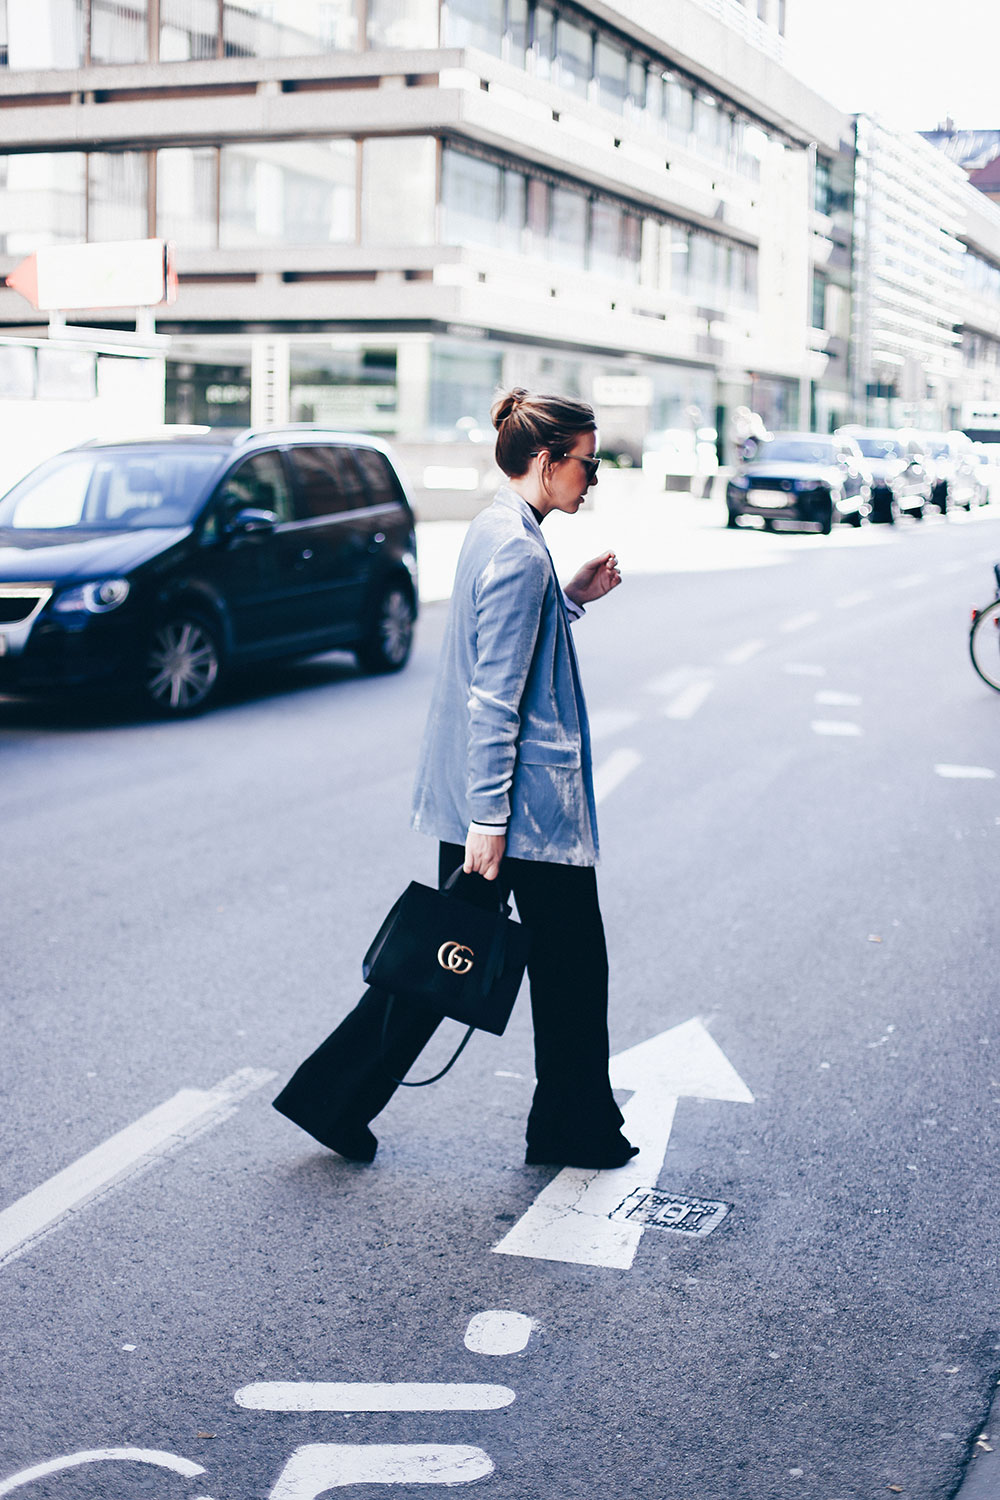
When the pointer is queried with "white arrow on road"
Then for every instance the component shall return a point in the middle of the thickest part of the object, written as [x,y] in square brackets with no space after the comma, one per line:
[569,1220]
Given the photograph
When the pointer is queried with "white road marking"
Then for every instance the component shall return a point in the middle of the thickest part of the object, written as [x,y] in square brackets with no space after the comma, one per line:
[132,1150]
[670,681]
[740,654]
[804,669]
[799,622]
[356,1395]
[319,1467]
[850,600]
[612,772]
[153,1456]
[835,726]
[838,700]
[911,581]
[966,773]
[605,722]
[688,700]
[569,1220]
[498,1332]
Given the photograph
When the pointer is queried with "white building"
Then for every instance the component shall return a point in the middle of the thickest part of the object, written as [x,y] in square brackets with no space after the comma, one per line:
[384,209]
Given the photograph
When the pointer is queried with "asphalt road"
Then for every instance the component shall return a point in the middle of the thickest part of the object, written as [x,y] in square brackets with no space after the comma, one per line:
[782,858]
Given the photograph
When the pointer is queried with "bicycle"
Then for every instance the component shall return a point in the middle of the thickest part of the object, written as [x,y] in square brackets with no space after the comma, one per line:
[984,638]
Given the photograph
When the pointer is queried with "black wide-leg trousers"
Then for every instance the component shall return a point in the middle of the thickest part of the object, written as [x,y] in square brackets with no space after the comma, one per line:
[352,1076]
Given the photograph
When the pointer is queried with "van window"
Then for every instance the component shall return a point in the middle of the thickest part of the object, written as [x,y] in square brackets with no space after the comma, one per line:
[328,481]
[258,484]
[383,486]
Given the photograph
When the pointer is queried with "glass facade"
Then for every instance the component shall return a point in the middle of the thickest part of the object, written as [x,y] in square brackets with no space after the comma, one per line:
[119,31]
[187,180]
[252,28]
[118,195]
[43,201]
[353,388]
[288,193]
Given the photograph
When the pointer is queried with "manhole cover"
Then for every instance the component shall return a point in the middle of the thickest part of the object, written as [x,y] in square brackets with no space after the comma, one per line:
[656,1210]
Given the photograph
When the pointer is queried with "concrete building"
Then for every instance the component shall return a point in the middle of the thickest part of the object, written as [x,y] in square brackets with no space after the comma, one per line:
[384,209]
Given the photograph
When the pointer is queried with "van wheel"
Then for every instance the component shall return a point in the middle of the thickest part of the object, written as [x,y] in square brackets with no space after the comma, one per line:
[181,665]
[386,645]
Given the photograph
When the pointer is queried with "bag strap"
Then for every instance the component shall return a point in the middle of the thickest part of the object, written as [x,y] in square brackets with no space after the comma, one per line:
[422,1082]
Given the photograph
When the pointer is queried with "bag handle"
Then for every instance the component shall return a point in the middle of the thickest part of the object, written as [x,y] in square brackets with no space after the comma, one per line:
[422,1082]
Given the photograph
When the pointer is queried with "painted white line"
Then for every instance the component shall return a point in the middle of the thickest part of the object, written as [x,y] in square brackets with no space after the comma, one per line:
[966,773]
[740,654]
[153,1456]
[132,1150]
[799,622]
[804,669]
[838,700]
[331,1395]
[605,722]
[570,1219]
[863,596]
[319,1467]
[911,581]
[688,700]
[612,772]
[498,1332]
[835,726]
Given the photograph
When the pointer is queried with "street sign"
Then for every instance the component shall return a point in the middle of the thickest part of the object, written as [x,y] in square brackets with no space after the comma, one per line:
[573,1219]
[126,273]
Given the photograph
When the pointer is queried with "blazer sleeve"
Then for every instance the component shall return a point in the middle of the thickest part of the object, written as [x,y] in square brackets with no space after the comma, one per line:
[509,598]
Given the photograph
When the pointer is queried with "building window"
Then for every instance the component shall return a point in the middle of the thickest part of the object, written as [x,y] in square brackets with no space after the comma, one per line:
[678,107]
[574,57]
[471,199]
[518,18]
[474,23]
[822,184]
[119,31]
[567,238]
[543,38]
[187,188]
[43,201]
[612,70]
[188,30]
[403,23]
[464,379]
[818,300]
[251,28]
[118,206]
[288,193]
[4,51]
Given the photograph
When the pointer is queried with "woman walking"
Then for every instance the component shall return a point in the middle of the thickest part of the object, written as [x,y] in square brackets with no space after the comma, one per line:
[505,784]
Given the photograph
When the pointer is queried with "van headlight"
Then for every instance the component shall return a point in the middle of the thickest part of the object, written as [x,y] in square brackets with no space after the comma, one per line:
[94,598]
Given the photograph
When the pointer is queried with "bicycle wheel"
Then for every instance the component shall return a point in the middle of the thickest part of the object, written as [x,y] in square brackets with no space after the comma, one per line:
[984,644]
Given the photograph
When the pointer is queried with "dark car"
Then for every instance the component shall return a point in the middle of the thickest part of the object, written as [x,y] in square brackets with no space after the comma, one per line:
[160,564]
[801,476]
[901,481]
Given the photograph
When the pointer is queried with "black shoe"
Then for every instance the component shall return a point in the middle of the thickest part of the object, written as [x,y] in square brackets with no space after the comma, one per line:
[355,1142]
[600,1159]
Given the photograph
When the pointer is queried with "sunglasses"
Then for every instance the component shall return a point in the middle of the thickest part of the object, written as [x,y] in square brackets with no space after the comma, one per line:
[590,464]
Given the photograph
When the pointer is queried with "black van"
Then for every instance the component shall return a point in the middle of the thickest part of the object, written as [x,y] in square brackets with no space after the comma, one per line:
[160,563]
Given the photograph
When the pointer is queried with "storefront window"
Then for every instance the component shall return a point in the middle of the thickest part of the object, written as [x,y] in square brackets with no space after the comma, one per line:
[464,381]
[260,28]
[574,57]
[351,389]
[43,200]
[202,389]
[186,196]
[118,207]
[119,31]
[474,23]
[288,193]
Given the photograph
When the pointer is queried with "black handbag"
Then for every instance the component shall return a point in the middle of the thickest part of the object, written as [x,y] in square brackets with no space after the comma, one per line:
[450,957]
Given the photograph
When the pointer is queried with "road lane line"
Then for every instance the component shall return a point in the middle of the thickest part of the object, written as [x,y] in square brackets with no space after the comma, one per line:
[688,700]
[612,772]
[164,1129]
[498,1331]
[153,1456]
[318,1467]
[863,596]
[835,727]
[965,773]
[799,622]
[838,700]
[740,654]
[332,1395]
[911,581]
[605,722]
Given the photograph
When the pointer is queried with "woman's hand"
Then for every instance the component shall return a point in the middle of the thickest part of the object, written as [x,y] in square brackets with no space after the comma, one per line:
[595,579]
[483,853]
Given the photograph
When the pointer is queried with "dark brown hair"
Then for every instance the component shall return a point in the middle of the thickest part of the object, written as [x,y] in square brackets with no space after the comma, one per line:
[526,423]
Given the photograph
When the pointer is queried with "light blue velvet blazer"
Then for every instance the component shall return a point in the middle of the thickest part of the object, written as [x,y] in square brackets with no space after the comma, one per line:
[507,735]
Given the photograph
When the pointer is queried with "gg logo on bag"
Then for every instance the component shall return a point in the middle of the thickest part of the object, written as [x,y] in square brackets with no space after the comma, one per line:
[455,957]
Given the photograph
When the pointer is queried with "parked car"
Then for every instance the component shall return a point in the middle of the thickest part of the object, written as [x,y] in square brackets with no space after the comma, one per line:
[801,476]
[949,458]
[987,460]
[160,564]
[901,484]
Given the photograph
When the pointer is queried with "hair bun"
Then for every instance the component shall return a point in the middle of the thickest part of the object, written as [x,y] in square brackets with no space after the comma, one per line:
[508,405]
